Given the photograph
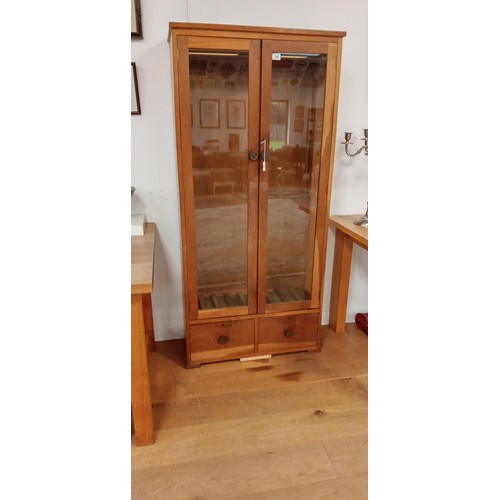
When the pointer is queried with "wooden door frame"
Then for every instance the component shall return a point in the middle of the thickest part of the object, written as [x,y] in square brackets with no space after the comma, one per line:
[326,169]
[186,190]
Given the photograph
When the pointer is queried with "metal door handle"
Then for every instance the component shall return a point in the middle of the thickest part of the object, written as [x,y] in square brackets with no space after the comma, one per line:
[264,155]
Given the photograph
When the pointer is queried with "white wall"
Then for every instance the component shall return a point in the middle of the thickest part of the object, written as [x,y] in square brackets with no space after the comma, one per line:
[153,155]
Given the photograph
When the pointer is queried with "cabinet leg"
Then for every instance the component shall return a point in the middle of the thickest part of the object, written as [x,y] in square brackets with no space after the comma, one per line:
[340,281]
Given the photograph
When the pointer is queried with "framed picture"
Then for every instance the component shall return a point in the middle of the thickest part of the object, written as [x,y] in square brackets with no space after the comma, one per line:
[136,104]
[209,113]
[136,26]
[299,112]
[236,114]
[298,125]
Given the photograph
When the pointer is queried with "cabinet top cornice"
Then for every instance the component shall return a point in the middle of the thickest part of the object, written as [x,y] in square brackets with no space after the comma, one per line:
[262,31]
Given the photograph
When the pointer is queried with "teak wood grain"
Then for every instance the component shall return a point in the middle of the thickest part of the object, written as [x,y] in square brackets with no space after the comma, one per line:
[250,31]
[141,393]
[293,426]
[291,332]
[142,332]
[204,311]
[142,255]
[346,233]
[345,224]
[216,341]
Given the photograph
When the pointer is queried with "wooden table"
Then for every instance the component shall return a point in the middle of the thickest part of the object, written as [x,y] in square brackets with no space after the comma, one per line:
[346,233]
[143,339]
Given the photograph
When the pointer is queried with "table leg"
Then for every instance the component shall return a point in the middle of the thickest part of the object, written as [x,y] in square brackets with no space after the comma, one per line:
[142,409]
[147,308]
[340,281]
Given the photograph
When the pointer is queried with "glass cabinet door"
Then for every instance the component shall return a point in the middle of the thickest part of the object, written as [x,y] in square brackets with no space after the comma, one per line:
[293,102]
[254,161]
[218,94]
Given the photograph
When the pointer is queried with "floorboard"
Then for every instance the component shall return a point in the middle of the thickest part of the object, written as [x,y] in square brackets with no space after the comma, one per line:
[292,426]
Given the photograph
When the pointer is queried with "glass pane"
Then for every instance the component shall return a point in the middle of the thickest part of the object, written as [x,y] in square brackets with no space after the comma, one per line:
[297,103]
[219,111]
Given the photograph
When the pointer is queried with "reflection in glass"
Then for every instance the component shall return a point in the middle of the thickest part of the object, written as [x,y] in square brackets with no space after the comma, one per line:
[296,122]
[279,124]
[219,132]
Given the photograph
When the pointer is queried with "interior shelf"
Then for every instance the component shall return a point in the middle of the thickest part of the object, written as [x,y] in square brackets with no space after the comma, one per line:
[220,300]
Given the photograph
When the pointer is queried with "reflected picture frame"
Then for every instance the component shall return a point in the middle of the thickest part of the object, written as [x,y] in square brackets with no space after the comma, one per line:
[209,113]
[298,125]
[236,113]
[299,112]
[136,103]
[136,19]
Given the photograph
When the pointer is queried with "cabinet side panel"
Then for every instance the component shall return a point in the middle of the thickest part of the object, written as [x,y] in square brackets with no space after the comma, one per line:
[189,243]
[327,153]
[180,177]
[335,52]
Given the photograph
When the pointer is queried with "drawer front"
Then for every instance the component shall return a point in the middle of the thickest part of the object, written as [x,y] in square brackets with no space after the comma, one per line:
[221,340]
[289,333]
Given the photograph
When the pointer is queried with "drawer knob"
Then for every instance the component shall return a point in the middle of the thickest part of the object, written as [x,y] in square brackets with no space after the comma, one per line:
[222,340]
[288,332]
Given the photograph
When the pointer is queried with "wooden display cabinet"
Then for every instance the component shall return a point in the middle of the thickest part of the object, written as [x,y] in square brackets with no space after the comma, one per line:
[254,189]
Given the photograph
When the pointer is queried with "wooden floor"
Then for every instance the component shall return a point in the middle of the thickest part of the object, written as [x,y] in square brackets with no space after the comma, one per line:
[290,427]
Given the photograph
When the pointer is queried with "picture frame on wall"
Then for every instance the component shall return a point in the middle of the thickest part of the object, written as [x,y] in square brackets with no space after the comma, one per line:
[136,19]
[315,118]
[299,112]
[298,125]
[136,104]
[236,114]
[209,113]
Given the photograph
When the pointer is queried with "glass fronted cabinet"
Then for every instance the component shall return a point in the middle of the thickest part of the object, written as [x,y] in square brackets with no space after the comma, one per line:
[255,113]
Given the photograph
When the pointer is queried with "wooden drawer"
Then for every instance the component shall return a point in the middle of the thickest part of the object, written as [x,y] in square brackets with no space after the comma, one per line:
[289,333]
[221,340]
